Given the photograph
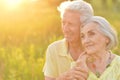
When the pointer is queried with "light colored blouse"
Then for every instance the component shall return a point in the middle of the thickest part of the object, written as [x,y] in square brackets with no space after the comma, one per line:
[58,60]
[111,73]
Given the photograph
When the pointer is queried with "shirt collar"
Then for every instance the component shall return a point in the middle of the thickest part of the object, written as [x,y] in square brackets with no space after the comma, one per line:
[64,48]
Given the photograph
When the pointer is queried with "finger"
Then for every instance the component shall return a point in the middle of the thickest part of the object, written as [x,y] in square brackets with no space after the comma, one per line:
[81,59]
[83,53]
[68,75]
[79,68]
[81,78]
[82,63]
[78,74]
[70,78]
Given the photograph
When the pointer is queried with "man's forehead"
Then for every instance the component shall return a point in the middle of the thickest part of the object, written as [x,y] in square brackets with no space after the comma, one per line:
[71,11]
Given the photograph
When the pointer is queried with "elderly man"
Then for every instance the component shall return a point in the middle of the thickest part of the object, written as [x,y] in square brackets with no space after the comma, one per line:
[62,54]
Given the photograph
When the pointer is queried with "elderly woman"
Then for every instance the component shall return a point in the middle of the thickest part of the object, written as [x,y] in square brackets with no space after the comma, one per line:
[98,38]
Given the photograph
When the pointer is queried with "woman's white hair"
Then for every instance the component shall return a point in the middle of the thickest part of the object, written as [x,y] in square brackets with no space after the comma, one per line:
[81,6]
[106,29]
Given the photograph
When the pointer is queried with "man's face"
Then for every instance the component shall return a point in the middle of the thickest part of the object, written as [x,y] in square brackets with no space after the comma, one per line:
[71,25]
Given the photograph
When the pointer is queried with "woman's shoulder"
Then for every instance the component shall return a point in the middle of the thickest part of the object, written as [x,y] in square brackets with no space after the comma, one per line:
[117,57]
[116,60]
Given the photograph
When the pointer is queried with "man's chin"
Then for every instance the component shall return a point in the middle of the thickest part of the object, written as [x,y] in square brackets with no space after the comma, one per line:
[69,40]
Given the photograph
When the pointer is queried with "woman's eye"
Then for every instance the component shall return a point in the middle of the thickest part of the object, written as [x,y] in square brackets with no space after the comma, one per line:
[91,33]
[82,36]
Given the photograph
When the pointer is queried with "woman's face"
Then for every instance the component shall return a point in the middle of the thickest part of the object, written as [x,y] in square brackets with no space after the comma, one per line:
[92,39]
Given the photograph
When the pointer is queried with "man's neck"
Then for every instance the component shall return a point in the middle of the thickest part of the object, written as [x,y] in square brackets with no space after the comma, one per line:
[75,49]
[75,46]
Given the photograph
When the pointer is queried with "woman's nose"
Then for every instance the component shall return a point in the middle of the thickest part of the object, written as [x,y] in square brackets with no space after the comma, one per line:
[86,40]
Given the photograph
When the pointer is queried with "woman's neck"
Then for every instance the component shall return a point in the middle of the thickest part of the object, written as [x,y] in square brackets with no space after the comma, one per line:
[98,62]
[99,56]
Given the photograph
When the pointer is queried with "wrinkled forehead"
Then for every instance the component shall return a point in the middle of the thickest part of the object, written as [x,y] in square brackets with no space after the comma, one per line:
[90,26]
[71,12]
[71,16]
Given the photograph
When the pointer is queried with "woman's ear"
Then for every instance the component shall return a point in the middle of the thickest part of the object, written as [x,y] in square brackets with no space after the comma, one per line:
[107,41]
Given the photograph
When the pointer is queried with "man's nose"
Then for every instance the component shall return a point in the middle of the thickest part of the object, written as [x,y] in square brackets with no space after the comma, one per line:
[65,28]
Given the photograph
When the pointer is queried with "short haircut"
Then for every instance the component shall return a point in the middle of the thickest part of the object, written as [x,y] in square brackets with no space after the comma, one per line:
[84,8]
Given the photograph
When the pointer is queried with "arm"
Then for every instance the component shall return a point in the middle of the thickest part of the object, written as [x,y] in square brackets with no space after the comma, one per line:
[77,72]
[50,66]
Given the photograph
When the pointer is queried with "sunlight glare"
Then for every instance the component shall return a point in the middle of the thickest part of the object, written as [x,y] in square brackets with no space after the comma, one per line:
[13,3]
[33,0]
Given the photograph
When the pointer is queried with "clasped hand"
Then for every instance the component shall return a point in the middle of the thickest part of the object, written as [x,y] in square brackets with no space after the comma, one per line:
[79,71]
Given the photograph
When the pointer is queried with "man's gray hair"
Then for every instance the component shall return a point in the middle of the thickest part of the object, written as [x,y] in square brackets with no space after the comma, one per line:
[84,8]
[106,29]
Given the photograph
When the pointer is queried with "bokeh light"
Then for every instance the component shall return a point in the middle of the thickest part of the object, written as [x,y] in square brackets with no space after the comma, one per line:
[13,4]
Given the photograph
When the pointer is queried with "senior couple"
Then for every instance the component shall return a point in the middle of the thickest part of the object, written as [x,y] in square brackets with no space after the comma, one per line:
[85,52]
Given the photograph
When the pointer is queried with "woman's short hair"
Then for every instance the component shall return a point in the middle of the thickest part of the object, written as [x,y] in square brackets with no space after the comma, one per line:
[81,6]
[106,29]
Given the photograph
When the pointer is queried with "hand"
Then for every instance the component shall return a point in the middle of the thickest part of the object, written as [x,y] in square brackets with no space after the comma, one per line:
[80,73]
[79,70]
[81,63]
[76,73]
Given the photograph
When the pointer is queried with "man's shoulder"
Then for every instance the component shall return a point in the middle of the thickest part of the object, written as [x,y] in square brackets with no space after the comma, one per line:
[58,43]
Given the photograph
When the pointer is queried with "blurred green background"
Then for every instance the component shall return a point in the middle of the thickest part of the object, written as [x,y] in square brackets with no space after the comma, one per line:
[27,27]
